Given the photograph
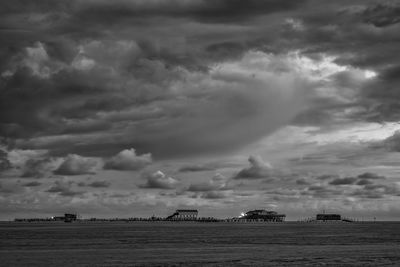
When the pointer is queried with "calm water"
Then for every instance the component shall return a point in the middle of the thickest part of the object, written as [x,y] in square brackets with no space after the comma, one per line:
[192,244]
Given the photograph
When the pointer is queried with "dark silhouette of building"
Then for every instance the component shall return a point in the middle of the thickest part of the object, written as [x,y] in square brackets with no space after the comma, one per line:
[328,217]
[68,217]
[183,215]
[264,215]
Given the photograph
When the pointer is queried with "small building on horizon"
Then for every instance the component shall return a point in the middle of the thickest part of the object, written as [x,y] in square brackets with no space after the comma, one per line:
[68,217]
[183,215]
[328,217]
[263,215]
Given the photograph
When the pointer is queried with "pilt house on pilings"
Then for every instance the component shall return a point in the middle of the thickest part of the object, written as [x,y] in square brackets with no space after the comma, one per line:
[183,215]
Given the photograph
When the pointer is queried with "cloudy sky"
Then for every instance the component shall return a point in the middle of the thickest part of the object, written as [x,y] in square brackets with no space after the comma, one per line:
[138,107]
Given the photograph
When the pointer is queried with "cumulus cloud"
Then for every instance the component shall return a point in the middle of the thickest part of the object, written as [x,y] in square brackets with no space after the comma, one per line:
[159,180]
[76,165]
[364,182]
[128,160]
[258,169]
[32,184]
[343,181]
[370,176]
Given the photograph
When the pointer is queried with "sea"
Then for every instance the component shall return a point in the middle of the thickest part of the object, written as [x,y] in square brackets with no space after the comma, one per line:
[199,244]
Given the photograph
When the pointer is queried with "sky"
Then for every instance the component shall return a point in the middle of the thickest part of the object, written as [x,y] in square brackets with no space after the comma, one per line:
[134,108]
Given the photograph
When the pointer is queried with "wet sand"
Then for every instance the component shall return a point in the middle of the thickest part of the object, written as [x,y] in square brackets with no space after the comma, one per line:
[193,244]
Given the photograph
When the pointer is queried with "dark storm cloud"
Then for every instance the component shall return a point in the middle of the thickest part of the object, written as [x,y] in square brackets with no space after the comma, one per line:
[15,7]
[364,25]
[69,70]
[97,77]
[382,15]
[382,105]
[120,8]
[370,176]
[32,184]
[226,50]
[392,143]
[364,182]
[201,10]
[154,109]
[343,181]
[81,184]
[99,184]
[197,168]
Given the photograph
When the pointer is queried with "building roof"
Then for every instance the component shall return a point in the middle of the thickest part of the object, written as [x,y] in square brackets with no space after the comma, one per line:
[186,211]
[261,211]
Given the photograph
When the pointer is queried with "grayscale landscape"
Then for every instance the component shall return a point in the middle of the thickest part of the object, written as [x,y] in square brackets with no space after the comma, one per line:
[199,132]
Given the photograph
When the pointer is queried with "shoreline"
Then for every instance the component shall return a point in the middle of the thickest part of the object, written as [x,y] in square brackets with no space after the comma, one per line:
[187,222]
